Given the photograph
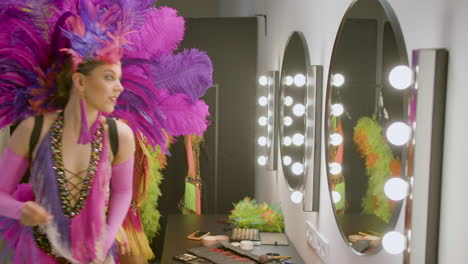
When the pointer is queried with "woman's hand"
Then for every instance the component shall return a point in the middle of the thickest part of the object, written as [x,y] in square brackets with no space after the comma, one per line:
[32,214]
[123,246]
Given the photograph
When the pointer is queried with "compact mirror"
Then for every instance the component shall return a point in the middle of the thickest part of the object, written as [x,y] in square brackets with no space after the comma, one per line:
[366,131]
[293,101]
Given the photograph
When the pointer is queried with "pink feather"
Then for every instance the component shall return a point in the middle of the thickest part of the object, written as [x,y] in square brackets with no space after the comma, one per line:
[161,33]
[183,116]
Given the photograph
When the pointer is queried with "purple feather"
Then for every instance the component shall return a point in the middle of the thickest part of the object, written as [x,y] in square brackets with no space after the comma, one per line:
[188,72]
[47,193]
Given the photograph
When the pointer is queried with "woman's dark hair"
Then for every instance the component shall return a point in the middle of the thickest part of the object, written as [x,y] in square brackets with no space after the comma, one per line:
[64,81]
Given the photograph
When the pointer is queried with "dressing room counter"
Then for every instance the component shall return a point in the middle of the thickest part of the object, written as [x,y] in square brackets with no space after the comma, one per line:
[180,226]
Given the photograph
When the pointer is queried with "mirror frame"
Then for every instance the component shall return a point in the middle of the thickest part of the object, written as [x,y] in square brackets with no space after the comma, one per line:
[401,47]
[300,187]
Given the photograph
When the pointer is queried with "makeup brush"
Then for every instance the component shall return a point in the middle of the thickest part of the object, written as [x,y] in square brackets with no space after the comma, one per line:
[266,259]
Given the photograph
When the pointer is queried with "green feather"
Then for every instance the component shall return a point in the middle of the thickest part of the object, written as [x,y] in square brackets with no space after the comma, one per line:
[149,209]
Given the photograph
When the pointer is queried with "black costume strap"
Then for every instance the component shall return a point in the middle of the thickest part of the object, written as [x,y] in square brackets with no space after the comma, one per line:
[113,136]
[35,134]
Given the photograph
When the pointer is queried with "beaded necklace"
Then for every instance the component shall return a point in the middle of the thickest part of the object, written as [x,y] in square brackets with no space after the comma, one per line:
[69,211]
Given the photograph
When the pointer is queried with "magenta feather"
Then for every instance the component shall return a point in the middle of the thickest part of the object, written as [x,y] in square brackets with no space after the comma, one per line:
[161,33]
[182,116]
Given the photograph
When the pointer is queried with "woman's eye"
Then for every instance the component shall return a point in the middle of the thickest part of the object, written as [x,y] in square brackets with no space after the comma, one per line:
[109,77]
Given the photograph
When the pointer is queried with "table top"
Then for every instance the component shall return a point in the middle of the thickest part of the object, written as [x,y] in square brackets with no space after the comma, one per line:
[179,226]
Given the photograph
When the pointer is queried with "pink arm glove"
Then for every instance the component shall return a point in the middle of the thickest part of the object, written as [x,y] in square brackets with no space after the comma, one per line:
[120,198]
[13,167]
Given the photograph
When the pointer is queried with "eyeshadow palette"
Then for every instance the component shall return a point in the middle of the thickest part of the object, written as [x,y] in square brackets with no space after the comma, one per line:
[239,234]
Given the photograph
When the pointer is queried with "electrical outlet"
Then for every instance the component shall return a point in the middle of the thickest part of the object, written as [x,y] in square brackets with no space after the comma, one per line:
[317,242]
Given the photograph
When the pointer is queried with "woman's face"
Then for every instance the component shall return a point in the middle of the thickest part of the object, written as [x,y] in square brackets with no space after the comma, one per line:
[102,87]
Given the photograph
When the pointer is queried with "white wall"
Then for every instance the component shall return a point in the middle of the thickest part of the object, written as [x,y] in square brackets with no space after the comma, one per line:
[425,24]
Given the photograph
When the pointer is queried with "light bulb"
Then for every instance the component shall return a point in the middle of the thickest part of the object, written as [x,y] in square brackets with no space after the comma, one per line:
[298,139]
[288,101]
[335,168]
[336,196]
[297,168]
[337,109]
[287,141]
[394,242]
[338,80]
[262,160]
[336,139]
[401,77]
[299,110]
[296,197]
[398,133]
[396,189]
[262,141]
[287,121]
[263,80]
[287,160]
[263,121]
[299,80]
[262,101]
[289,80]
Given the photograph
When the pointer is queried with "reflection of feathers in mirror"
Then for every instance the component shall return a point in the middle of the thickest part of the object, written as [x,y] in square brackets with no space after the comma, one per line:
[380,166]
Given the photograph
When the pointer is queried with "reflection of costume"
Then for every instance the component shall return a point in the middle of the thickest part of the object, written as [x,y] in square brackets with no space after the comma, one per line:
[162,92]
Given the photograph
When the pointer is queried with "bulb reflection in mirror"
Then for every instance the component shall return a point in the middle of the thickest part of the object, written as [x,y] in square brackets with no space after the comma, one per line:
[262,141]
[298,139]
[299,110]
[394,242]
[262,160]
[396,189]
[299,80]
[337,109]
[336,196]
[398,133]
[263,80]
[401,77]
[289,80]
[287,141]
[287,160]
[262,121]
[297,168]
[338,80]
[262,101]
[335,168]
[287,121]
[296,197]
[336,139]
[288,101]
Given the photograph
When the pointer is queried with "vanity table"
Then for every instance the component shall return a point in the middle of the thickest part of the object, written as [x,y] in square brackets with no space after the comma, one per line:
[179,226]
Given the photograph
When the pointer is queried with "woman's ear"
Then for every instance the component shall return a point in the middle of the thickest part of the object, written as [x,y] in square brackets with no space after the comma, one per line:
[79,83]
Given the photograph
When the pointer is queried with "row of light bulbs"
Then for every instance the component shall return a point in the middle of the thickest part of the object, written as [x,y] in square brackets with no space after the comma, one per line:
[297,168]
[297,139]
[263,141]
[398,134]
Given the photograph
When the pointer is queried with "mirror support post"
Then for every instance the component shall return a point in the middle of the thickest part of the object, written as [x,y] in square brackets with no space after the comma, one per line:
[313,140]
[430,67]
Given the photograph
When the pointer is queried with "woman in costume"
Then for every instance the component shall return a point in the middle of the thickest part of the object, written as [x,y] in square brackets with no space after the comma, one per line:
[69,62]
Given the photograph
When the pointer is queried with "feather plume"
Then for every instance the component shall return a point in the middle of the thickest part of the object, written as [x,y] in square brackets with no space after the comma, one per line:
[161,33]
[188,72]
[183,116]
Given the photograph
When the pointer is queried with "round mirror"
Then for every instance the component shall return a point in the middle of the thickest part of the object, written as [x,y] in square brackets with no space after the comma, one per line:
[292,120]
[366,117]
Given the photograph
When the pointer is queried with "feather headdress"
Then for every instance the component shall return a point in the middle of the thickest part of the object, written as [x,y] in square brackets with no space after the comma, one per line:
[162,89]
